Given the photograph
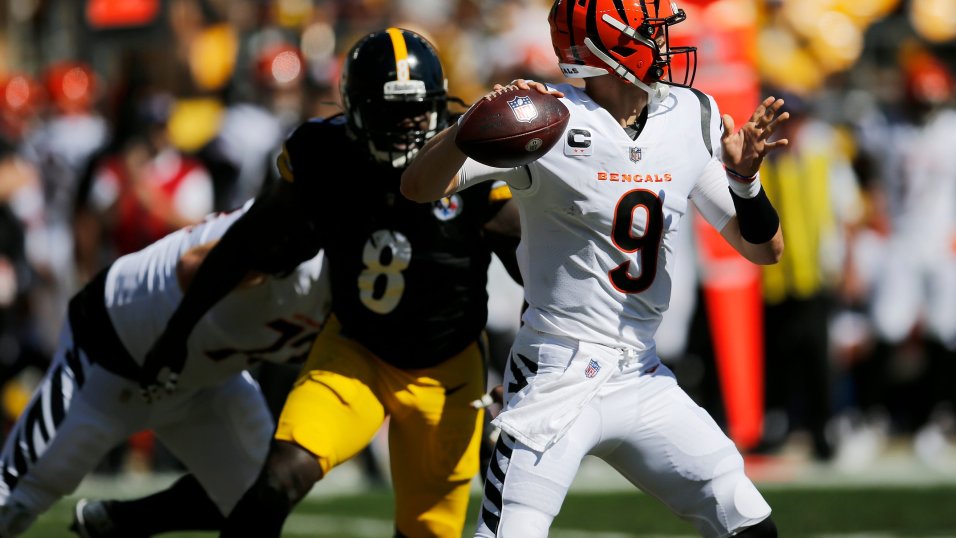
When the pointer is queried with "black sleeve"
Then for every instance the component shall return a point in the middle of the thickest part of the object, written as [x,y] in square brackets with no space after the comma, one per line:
[278,232]
[274,236]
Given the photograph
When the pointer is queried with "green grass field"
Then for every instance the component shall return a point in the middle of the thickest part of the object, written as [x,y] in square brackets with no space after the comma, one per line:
[880,512]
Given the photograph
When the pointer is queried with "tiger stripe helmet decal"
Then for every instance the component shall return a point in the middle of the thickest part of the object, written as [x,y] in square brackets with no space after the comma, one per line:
[627,38]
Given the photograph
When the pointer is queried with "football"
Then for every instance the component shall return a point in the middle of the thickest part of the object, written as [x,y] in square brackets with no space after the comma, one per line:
[512,128]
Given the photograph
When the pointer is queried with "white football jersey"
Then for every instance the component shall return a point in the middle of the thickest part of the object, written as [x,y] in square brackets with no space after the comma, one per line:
[600,218]
[919,172]
[275,321]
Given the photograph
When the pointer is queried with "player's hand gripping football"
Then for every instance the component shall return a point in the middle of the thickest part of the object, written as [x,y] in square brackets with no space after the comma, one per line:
[523,84]
[167,354]
[744,150]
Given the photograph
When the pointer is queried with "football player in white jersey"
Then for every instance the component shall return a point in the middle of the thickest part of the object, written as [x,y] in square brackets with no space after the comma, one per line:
[217,422]
[600,212]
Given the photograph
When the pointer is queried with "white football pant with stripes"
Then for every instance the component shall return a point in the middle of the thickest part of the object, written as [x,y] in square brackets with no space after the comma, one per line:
[81,411]
[641,423]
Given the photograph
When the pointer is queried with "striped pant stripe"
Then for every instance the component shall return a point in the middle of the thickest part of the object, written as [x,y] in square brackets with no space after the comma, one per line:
[495,482]
[37,425]
[517,366]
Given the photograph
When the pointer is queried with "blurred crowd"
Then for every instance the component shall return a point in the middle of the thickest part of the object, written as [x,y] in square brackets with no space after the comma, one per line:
[119,125]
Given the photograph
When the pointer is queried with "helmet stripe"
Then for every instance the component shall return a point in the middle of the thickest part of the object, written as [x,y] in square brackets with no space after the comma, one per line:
[570,18]
[401,54]
[590,20]
[621,12]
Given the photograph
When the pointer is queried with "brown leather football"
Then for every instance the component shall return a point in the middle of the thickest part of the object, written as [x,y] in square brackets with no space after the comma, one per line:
[512,128]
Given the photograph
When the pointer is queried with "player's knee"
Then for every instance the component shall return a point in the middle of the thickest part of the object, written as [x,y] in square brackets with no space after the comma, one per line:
[765,529]
[523,521]
[290,472]
[15,519]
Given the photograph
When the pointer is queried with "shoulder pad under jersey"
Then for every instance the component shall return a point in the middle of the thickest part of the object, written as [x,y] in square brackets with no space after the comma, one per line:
[304,148]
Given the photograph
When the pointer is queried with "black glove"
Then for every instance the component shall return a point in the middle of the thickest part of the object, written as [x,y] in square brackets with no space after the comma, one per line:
[167,353]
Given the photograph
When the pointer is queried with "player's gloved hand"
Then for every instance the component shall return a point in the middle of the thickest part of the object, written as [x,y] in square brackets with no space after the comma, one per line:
[167,354]
[495,396]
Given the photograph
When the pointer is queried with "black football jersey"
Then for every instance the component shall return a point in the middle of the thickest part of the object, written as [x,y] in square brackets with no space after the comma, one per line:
[408,279]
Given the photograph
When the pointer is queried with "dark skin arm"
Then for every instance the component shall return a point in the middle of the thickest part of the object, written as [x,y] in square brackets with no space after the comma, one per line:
[272,236]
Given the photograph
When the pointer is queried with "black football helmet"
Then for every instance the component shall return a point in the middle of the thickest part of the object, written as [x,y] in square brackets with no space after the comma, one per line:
[395,94]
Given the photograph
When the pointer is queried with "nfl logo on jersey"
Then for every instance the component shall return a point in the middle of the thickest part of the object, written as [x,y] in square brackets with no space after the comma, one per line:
[635,154]
[523,108]
[592,369]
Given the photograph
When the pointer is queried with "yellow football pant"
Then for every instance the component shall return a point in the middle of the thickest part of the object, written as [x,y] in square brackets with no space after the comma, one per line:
[341,399]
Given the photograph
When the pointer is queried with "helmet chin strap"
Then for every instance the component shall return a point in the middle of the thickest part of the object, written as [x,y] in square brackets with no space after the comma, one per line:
[656,92]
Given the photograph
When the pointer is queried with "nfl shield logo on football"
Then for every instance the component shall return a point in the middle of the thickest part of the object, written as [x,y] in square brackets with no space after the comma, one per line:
[447,208]
[635,154]
[523,108]
[592,369]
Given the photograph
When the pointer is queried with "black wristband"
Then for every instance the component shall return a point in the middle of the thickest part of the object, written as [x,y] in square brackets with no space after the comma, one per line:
[757,218]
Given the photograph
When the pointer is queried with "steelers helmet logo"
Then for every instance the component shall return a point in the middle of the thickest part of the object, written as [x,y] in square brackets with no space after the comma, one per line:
[447,208]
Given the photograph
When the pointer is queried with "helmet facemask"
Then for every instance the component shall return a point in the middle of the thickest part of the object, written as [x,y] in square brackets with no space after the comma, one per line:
[395,95]
[397,125]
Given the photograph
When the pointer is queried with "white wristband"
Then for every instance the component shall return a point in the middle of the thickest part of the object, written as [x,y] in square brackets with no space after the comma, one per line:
[742,188]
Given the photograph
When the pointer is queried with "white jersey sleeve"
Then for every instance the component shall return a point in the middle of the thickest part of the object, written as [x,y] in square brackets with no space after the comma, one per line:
[711,196]
[473,172]
[274,321]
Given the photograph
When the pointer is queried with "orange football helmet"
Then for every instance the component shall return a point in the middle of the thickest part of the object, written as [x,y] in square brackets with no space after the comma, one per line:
[628,38]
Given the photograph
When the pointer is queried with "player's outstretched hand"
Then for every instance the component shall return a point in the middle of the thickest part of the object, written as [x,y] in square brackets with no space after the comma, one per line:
[744,150]
[167,354]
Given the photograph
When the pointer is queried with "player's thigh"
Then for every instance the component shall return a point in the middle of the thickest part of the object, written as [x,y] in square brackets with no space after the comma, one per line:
[333,410]
[434,441]
[76,415]
[677,453]
[221,434]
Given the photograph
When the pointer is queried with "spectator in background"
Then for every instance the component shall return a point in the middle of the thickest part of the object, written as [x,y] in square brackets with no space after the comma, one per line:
[519,47]
[21,225]
[19,191]
[913,311]
[817,196]
[148,188]
[61,147]
[242,155]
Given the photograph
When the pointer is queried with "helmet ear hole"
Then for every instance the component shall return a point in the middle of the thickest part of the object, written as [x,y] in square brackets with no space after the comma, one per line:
[623,52]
